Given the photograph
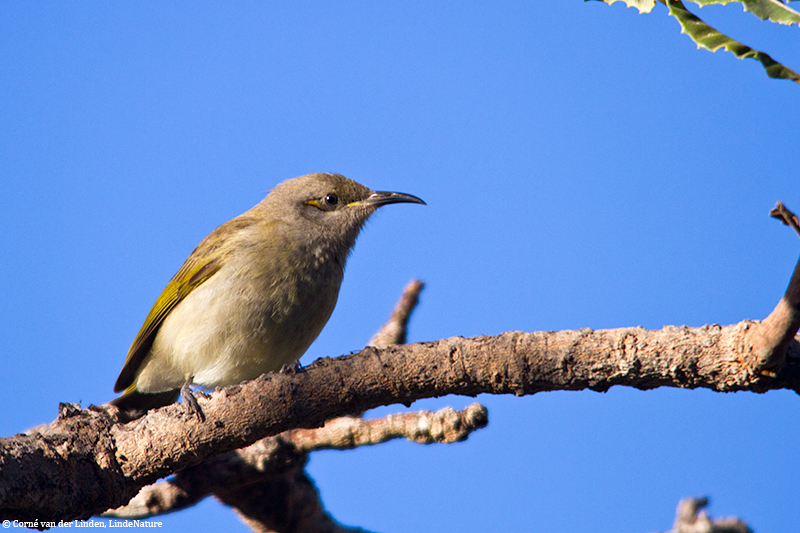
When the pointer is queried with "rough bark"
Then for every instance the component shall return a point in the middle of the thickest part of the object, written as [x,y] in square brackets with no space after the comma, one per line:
[273,459]
[84,463]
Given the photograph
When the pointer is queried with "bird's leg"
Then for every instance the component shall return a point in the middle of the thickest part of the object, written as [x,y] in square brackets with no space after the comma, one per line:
[190,401]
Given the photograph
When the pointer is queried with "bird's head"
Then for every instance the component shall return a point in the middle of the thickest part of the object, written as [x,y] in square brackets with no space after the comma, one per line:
[328,210]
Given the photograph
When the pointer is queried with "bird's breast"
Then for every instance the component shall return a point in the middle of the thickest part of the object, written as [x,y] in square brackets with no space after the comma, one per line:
[253,316]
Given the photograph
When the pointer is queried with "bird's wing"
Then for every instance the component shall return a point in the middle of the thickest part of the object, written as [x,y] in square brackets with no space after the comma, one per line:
[202,263]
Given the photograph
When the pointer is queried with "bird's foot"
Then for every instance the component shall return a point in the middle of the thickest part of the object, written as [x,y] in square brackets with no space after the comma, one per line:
[292,369]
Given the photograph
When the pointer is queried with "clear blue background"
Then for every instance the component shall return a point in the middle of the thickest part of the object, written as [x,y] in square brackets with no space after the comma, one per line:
[584,166]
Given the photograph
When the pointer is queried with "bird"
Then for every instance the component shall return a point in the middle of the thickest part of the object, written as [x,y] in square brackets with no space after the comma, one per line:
[252,296]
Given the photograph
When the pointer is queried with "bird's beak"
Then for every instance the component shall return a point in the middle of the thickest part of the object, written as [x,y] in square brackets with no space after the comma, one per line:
[379,198]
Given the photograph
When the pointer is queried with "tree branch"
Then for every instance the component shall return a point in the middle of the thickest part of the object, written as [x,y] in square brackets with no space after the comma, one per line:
[396,329]
[101,465]
[284,453]
[768,341]
[285,504]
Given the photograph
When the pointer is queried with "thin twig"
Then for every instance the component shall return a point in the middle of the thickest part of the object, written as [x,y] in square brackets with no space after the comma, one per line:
[782,213]
[395,331]
[769,340]
[691,517]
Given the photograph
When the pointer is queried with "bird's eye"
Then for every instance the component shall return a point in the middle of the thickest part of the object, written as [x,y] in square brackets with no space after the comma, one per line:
[331,199]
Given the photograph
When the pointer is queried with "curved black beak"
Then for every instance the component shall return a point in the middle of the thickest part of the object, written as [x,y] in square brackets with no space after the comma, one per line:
[379,198]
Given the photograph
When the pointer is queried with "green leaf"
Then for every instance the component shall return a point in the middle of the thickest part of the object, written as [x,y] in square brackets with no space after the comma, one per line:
[773,10]
[644,6]
[707,37]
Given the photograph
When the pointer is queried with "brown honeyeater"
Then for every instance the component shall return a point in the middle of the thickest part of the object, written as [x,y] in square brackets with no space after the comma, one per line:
[253,295]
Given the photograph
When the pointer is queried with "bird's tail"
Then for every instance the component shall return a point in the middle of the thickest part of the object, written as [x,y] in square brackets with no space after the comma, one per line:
[135,404]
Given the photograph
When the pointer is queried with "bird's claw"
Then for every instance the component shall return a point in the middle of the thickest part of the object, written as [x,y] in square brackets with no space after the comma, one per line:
[292,369]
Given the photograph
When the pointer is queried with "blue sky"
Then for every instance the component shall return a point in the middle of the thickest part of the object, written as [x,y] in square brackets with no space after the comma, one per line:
[583,165]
